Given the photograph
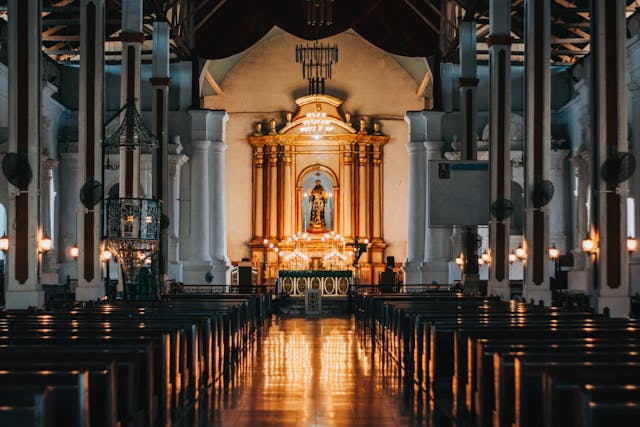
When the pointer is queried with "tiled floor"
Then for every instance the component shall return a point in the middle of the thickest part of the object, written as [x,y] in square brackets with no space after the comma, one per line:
[307,372]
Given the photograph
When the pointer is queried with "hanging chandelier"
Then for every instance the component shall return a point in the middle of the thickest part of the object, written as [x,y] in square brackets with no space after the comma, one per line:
[317,59]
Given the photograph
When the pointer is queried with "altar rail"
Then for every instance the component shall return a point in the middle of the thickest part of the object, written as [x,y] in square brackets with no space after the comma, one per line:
[330,282]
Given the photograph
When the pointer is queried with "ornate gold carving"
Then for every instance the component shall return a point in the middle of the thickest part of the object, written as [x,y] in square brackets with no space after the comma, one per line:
[272,127]
[347,160]
[289,117]
[258,131]
[363,126]
[347,117]
[376,128]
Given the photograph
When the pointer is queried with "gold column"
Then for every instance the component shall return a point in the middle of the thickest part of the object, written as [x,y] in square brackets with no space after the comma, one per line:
[258,161]
[347,198]
[273,191]
[377,193]
[288,193]
[362,191]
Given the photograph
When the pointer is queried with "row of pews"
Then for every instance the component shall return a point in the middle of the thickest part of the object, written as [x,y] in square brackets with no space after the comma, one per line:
[486,362]
[122,364]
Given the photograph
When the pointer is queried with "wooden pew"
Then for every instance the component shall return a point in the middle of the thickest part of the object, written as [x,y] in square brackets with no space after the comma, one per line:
[26,405]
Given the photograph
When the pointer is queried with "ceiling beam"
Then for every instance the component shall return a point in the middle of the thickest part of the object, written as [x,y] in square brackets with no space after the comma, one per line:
[208,15]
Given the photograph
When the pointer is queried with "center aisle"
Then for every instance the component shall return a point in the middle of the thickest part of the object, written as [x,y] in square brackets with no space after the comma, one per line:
[314,372]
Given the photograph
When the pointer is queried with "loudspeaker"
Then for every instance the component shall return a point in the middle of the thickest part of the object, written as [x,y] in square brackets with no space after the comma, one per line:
[391,262]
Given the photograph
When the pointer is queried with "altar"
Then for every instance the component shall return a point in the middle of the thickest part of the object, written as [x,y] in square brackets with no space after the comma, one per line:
[330,282]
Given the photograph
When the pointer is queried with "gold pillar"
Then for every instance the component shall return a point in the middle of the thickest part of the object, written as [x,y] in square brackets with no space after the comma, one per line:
[347,198]
[273,191]
[258,189]
[288,193]
[362,191]
[377,193]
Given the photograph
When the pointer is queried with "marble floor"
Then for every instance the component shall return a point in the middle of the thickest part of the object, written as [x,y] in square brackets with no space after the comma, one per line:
[312,372]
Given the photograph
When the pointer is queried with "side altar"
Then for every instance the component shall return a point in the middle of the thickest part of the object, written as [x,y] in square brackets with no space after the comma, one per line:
[317,195]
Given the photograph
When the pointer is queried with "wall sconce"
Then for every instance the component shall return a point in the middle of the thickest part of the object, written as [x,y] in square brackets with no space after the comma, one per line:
[4,243]
[45,244]
[512,257]
[485,257]
[554,253]
[459,261]
[520,252]
[588,245]
[74,252]
[480,261]
[106,255]
[632,244]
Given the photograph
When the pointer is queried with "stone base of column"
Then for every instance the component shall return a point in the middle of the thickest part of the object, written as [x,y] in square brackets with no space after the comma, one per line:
[21,300]
[412,273]
[619,306]
[175,271]
[221,272]
[579,281]
[193,272]
[536,294]
[89,293]
[435,271]
[471,285]
[501,290]
[69,269]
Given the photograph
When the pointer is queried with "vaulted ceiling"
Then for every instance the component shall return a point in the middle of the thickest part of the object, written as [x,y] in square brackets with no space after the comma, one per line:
[220,28]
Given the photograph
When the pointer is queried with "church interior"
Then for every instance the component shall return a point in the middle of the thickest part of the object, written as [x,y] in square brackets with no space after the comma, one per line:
[319,213]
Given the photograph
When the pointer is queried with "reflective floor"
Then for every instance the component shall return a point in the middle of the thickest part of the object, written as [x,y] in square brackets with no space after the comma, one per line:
[312,372]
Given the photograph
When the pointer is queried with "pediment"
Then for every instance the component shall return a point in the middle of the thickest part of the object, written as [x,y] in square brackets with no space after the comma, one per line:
[318,116]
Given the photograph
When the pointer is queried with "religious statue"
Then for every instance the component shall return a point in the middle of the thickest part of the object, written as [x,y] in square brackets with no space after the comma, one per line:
[318,203]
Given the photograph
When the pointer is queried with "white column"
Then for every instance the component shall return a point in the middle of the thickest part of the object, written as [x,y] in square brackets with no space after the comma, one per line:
[559,207]
[437,245]
[171,208]
[24,80]
[89,221]
[220,268]
[199,261]
[634,261]
[499,149]
[69,202]
[609,79]
[49,267]
[538,144]
[417,198]
[146,175]
[347,189]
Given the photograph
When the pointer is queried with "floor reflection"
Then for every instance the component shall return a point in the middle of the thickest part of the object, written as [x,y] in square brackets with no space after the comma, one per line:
[313,372]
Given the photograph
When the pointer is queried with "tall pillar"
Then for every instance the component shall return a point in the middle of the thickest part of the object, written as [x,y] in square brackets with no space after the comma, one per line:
[288,194]
[417,198]
[160,82]
[362,191]
[634,261]
[220,268]
[69,201]
[610,137]
[273,192]
[437,245]
[499,42]
[347,189]
[258,208]
[25,82]
[538,145]
[559,224]
[199,261]
[132,38]
[90,146]
[376,205]
[48,268]
[171,208]
[468,83]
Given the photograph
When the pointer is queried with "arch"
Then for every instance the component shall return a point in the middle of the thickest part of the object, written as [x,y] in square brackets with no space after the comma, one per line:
[317,167]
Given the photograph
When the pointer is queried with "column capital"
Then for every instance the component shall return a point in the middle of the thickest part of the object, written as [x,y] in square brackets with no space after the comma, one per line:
[218,146]
[208,124]
[176,161]
[200,144]
[557,158]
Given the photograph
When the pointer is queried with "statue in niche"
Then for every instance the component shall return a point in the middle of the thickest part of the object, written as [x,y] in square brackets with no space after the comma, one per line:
[318,202]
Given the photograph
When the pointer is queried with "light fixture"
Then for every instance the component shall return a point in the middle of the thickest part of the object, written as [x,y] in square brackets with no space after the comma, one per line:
[512,257]
[588,244]
[459,261]
[74,252]
[554,252]
[106,255]
[520,252]
[485,257]
[141,255]
[632,244]
[45,244]
[4,243]
[480,261]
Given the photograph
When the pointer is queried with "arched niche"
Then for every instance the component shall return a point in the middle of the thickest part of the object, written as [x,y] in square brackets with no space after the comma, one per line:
[305,183]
